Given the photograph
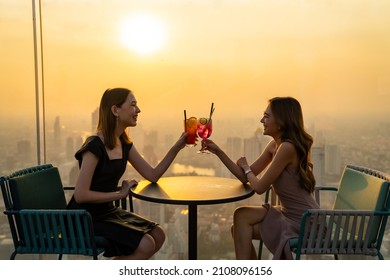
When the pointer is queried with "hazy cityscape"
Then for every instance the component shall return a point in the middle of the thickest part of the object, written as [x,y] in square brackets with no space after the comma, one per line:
[58,57]
[335,147]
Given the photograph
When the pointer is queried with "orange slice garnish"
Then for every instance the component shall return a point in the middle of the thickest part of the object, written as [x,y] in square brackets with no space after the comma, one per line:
[191,122]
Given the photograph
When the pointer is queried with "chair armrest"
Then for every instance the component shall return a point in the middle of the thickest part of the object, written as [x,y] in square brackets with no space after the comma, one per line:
[318,189]
[267,194]
[271,197]
[326,188]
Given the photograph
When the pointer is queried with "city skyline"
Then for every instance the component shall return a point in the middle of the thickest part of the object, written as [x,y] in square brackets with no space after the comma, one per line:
[213,230]
[62,142]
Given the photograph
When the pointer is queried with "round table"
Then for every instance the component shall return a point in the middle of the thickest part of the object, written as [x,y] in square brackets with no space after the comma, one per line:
[192,191]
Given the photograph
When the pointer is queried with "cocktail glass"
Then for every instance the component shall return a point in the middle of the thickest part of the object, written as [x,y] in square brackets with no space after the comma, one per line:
[205,128]
[190,126]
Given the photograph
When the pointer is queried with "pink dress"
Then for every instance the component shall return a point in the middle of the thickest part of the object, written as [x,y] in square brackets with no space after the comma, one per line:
[282,221]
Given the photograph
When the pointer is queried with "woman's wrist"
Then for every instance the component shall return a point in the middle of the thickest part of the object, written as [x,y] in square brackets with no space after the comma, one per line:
[218,152]
[247,170]
[176,148]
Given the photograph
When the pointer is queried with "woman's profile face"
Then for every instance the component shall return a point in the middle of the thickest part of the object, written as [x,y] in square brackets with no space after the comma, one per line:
[270,127]
[128,111]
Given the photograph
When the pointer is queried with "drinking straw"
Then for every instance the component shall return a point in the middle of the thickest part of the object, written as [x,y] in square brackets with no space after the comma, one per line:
[211,110]
[185,120]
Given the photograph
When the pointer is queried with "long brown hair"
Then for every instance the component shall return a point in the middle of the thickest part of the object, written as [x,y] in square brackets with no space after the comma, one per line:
[107,120]
[289,117]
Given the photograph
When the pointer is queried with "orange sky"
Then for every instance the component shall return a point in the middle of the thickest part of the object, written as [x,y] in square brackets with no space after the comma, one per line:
[334,56]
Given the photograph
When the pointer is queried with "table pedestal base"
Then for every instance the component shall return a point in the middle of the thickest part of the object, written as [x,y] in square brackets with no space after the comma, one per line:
[192,232]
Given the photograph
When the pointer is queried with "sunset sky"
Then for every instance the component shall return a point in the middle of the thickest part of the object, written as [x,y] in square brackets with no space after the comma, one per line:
[332,55]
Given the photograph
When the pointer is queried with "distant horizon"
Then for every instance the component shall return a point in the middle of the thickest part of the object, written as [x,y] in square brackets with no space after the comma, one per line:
[173,123]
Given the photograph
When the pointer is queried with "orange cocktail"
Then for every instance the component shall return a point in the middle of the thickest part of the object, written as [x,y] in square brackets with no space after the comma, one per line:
[190,126]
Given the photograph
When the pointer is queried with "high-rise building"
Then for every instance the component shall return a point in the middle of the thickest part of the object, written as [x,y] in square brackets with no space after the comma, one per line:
[318,159]
[24,150]
[234,151]
[252,149]
[94,120]
[57,132]
[332,159]
[69,147]
[234,147]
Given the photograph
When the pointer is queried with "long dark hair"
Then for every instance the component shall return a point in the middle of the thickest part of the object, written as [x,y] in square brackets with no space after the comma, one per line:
[289,117]
[107,120]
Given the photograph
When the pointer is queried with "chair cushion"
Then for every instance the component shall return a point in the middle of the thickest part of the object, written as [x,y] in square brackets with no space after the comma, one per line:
[361,191]
[41,189]
[293,243]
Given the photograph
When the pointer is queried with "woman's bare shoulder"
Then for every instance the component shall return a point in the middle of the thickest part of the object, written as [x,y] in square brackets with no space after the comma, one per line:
[287,145]
[287,149]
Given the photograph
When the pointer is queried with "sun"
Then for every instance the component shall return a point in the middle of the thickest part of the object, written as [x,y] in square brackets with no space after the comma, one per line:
[142,33]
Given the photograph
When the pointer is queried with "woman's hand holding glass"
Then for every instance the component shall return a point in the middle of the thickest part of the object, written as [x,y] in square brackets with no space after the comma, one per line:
[205,129]
[210,146]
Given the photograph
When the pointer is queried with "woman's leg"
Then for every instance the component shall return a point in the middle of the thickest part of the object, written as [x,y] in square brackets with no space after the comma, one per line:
[148,246]
[244,219]
[145,250]
[158,235]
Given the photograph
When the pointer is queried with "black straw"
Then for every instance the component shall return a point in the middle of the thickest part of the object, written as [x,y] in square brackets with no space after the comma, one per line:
[211,110]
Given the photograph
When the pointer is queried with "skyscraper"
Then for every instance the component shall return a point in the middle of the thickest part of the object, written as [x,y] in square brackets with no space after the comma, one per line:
[332,159]
[252,148]
[318,159]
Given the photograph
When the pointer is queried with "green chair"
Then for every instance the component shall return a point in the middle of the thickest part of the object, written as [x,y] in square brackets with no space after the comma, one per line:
[35,205]
[357,222]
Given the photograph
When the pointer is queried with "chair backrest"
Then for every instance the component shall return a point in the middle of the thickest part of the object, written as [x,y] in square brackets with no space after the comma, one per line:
[37,188]
[363,189]
[35,205]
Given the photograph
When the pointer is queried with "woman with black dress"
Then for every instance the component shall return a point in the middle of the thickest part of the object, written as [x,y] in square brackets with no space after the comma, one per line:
[102,160]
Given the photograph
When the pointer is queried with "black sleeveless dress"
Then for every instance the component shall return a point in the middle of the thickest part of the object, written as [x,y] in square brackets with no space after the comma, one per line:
[123,229]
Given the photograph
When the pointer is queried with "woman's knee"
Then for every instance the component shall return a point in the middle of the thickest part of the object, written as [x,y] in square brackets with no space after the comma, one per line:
[238,219]
[249,214]
[147,245]
[158,235]
[239,213]
[232,230]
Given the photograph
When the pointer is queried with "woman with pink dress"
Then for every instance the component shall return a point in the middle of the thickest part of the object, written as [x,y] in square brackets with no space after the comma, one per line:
[285,166]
